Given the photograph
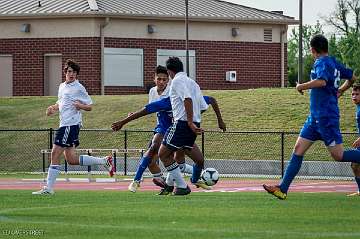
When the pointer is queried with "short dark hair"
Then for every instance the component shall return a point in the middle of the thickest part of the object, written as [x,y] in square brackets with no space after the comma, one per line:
[161,69]
[319,43]
[73,64]
[174,64]
[356,87]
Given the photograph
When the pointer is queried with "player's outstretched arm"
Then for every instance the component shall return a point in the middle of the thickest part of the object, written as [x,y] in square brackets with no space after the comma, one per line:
[119,124]
[217,111]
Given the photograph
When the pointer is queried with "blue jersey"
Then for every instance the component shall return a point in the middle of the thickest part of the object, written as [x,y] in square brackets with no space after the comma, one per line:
[163,111]
[358,118]
[323,100]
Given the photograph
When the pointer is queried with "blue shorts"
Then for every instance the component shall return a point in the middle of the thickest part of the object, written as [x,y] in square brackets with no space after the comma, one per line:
[67,136]
[325,129]
[159,130]
[179,136]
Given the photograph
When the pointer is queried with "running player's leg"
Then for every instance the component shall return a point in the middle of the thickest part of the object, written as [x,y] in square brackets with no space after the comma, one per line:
[356,170]
[53,171]
[306,138]
[146,160]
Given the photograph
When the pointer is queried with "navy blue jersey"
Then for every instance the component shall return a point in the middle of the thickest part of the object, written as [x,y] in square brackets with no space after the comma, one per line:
[163,111]
[323,100]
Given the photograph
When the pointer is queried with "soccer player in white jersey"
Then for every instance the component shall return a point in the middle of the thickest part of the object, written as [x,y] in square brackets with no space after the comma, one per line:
[72,99]
[186,101]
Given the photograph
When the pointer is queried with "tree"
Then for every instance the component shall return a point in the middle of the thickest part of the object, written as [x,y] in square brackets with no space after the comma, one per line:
[346,17]
[308,32]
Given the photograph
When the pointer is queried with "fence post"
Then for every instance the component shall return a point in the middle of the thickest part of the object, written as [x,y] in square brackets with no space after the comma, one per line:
[125,152]
[203,143]
[51,134]
[43,165]
[114,160]
[282,153]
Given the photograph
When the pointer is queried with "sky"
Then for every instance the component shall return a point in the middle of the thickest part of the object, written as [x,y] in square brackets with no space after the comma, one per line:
[312,9]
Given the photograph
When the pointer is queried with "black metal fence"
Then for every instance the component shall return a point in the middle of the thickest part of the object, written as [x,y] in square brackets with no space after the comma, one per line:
[233,154]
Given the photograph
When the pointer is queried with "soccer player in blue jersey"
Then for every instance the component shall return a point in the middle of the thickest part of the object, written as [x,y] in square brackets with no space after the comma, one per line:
[163,109]
[323,120]
[355,96]
[159,91]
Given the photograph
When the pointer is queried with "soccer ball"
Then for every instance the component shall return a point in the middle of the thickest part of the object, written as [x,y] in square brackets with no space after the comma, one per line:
[210,176]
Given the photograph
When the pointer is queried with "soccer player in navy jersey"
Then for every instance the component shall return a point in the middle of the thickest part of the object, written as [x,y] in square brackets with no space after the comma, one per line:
[323,120]
[163,109]
[355,96]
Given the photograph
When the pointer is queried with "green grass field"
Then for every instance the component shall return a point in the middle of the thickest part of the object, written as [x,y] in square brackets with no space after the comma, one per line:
[111,214]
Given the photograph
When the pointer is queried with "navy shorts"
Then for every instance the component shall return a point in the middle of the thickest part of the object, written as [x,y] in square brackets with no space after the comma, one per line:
[179,136]
[325,129]
[67,136]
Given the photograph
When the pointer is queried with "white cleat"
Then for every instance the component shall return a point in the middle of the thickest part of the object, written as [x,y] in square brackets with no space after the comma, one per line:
[44,191]
[133,186]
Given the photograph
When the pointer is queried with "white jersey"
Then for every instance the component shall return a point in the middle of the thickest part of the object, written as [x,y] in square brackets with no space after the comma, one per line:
[67,95]
[154,95]
[183,87]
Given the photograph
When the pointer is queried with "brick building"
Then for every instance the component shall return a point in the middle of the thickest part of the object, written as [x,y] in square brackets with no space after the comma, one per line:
[118,43]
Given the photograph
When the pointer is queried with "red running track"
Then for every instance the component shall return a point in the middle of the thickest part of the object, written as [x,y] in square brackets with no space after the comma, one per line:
[246,185]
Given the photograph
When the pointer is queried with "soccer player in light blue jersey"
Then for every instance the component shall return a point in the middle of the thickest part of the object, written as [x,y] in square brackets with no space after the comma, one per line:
[355,96]
[323,120]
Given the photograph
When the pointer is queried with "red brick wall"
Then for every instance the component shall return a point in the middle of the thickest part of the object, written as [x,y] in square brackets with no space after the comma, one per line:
[256,64]
[28,61]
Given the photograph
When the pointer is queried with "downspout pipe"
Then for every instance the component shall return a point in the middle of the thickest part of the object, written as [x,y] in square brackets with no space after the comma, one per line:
[102,42]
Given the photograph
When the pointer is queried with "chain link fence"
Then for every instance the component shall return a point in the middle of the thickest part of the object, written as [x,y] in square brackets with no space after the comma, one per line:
[233,154]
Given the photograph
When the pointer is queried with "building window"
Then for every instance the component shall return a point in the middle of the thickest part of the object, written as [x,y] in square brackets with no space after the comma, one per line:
[163,55]
[123,67]
[268,34]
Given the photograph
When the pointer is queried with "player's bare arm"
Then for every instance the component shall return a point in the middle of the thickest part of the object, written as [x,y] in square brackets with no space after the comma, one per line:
[346,85]
[356,143]
[216,109]
[80,106]
[131,116]
[52,109]
[310,85]
[189,114]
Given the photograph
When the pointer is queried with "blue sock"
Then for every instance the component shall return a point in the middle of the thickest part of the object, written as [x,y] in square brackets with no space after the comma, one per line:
[144,163]
[357,179]
[291,171]
[352,155]
[196,173]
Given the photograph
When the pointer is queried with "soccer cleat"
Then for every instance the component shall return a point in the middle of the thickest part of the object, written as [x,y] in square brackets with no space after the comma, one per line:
[110,165]
[182,191]
[166,190]
[159,181]
[202,184]
[275,190]
[44,191]
[354,194]
[133,186]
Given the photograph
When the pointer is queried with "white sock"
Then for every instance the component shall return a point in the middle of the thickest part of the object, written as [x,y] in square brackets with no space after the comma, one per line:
[53,173]
[86,160]
[175,173]
[169,180]
[186,168]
